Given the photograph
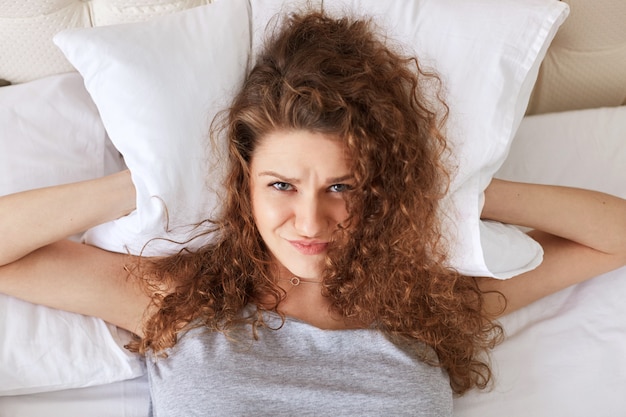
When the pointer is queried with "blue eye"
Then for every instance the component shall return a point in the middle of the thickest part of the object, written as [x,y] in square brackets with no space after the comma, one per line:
[339,188]
[281,186]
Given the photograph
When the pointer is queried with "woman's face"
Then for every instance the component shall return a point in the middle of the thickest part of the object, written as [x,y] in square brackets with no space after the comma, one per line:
[298,182]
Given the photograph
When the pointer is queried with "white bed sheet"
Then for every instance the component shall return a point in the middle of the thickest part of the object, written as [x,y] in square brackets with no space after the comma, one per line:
[564,355]
[129,398]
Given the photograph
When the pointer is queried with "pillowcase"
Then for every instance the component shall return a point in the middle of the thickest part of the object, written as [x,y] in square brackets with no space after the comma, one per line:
[52,134]
[158,85]
[44,349]
[589,143]
[487,53]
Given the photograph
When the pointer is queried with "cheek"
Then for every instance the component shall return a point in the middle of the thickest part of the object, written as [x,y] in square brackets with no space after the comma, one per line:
[269,213]
[339,211]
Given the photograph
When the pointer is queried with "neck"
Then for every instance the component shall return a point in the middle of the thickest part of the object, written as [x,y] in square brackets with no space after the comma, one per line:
[305,302]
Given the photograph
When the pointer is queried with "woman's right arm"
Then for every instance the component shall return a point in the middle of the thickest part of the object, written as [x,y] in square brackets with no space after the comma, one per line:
[39,265]
[35,218]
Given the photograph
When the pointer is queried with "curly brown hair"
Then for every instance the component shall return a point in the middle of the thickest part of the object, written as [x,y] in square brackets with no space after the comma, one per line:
[340,76]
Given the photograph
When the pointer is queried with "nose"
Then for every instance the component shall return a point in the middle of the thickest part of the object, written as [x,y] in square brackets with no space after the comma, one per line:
[310,217]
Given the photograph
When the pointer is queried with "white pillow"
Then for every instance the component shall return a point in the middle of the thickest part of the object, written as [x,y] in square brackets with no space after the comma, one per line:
[150,117]
[564,354]
[158,85]
[589,144]
[44,349]
[487,53]
[52,134]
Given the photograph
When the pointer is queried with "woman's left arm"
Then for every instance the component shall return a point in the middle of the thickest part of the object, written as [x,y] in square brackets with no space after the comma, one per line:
[582,232]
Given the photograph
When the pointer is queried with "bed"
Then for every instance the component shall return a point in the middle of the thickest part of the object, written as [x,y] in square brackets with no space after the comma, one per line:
[537,92]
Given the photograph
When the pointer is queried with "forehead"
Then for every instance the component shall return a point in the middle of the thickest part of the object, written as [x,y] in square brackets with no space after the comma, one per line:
[300,148]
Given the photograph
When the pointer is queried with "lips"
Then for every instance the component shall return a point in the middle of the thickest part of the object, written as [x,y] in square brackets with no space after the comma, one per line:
[309,248]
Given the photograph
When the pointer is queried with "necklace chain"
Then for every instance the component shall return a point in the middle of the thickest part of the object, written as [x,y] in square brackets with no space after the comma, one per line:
[295,281]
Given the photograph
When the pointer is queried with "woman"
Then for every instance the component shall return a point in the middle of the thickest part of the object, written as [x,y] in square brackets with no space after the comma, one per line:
[326,291]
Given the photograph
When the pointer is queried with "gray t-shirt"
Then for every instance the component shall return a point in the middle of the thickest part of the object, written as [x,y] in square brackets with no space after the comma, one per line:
[297,370]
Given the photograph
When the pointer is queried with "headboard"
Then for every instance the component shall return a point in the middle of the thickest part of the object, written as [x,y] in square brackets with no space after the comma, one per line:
[585,66]
[27,27]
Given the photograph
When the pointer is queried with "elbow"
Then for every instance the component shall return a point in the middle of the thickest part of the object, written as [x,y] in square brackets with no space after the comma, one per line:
[616,245]
[13,253]
[8,256]
[620,254]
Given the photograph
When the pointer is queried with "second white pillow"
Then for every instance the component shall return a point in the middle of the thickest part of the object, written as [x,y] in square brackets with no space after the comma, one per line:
[158,85]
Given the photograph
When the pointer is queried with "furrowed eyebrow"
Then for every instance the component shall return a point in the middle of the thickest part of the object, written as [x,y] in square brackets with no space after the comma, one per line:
[340,179]
[277,175]
[334,180]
